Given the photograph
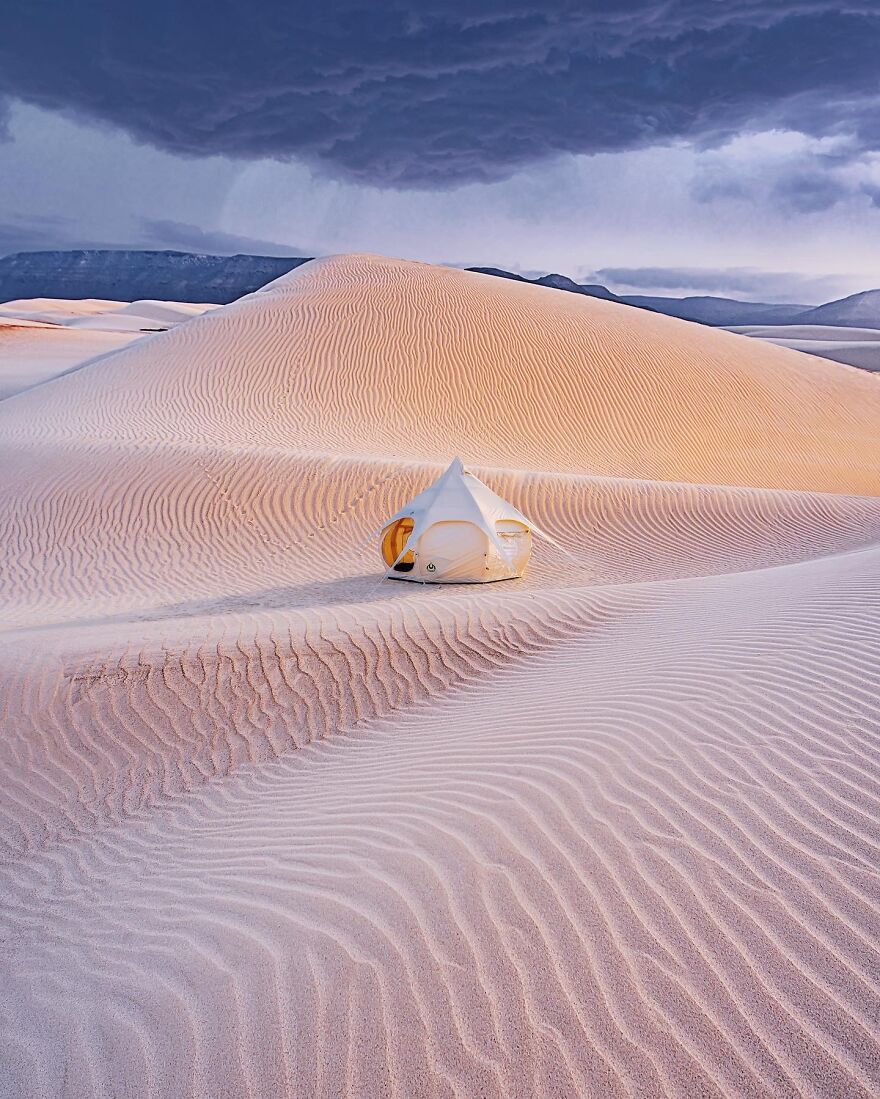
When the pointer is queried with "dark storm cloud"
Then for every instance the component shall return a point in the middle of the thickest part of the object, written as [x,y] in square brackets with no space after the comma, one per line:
[438,92]
[805,184]
[32,234]
[808,192]
[797,188]
[164,233]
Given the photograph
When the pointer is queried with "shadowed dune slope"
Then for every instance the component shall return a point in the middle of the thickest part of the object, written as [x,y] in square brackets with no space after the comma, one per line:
[271,827]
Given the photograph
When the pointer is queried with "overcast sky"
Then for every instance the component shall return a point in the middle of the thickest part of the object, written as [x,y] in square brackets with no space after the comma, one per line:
[678,146]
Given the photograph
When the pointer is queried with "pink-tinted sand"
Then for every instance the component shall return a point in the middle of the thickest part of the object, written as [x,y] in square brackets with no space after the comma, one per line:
[271,827]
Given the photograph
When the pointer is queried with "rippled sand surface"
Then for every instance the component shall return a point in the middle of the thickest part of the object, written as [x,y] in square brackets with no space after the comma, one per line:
[272,827]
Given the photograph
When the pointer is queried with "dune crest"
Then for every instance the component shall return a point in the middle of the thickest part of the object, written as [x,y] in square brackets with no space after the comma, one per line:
[271,827]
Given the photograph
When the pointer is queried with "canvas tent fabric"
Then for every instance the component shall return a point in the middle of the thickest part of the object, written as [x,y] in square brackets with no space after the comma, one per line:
[458,531]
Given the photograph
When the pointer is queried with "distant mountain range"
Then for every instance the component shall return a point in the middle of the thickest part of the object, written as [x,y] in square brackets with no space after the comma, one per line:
[718,312]
[857,311]
[135,275]
[554,282]
[184,276]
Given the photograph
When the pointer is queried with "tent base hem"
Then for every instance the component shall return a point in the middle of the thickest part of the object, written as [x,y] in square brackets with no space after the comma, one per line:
[448,583]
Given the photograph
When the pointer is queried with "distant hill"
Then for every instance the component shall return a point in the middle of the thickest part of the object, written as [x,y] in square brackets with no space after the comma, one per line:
[134,275]
[562,282]
[856,311]
[554,282]
[499,273]
[718,311]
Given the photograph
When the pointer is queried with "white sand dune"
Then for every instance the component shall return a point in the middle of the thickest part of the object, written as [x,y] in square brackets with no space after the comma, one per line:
[827,332]
[852,346]
[32,353]
[71,333]
[58,310]
[86,312]
[272,827]
[141,316]
[860,353]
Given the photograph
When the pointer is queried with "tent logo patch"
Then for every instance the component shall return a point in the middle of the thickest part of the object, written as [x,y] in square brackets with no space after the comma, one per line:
[431,567]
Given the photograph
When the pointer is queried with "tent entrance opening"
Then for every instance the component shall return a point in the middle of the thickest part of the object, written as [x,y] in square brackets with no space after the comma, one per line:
[392,546]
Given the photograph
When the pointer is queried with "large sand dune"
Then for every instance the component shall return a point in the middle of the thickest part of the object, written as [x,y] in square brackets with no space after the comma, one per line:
[273,827]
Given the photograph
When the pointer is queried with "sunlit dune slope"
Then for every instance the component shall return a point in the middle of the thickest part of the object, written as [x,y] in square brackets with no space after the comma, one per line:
[365,354]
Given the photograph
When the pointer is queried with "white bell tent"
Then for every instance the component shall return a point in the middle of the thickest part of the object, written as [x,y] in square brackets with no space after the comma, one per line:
[458,531]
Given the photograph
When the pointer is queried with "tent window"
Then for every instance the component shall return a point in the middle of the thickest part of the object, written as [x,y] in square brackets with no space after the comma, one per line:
[516,542]
[393,541]
[510,529]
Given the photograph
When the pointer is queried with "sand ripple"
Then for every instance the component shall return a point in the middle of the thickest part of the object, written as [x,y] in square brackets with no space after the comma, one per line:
[269,827]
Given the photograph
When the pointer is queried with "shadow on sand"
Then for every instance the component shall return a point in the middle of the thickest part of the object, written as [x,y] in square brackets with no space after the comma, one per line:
[365,588]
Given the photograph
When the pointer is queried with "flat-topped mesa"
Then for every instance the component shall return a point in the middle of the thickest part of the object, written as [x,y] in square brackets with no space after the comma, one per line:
[136,273]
